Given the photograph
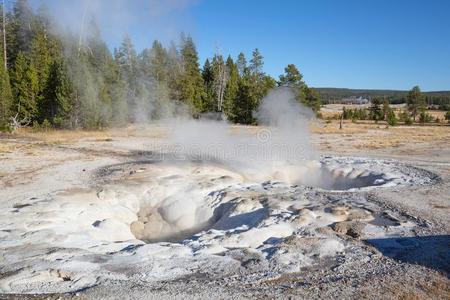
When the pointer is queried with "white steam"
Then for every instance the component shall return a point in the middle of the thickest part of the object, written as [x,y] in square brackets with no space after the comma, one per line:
[280,149]
[163,20]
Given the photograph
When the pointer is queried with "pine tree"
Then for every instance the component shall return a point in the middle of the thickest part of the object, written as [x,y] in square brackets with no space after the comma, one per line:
[159,62]
[158,85]
[231,90]
[312,99]
[294,79]
[11,50]
[291,77]
[415,102]
[57,103]
[260,82]
[241,64]
[41,60]
[126,59]
[391,118]
[376,112]
[208,78]
[22,28]
[256,64]
[245,102]
[5,96]
[25,89]
[192,86]
[175,72]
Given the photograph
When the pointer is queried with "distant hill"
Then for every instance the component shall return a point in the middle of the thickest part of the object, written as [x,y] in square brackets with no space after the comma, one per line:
[335,95]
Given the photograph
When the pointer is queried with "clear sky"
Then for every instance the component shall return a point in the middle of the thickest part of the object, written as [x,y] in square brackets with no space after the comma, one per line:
[380,44]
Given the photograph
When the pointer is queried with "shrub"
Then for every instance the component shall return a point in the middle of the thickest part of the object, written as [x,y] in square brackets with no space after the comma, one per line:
[406,118]
[425,117]
[6,127]
[36,126]
[46,126]
[391,118]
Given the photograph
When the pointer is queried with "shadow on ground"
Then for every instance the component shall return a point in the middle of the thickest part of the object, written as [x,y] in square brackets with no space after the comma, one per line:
[430,251]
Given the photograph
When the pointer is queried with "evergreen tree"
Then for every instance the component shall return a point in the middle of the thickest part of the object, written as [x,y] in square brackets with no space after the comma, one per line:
[22,29]
[256,64]
[376,112]
[174,73]
[154,62]
[117,89]
[294,79]
[41,61]
[391,118]
[208,78]
[415,102]
[25,89]
[126,59]
[311,99]
[425,117]
[94,78]
[231,90]
[405,118]
[245,102]
[241,64]
[259,82]
[5,96]
[159,62]
[192,85]
[40,56]
[73,84]
[267,84]
[291,77]
[57,102]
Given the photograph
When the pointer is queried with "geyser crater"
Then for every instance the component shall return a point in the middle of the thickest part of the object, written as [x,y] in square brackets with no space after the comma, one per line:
[183,199]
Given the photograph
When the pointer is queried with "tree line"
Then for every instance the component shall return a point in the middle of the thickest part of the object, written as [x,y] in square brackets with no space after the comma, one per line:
[380,110]
[74,80]
[439,100]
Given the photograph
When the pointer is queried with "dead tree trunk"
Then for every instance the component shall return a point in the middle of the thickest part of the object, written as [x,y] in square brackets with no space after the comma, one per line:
[16,123]
[221,83]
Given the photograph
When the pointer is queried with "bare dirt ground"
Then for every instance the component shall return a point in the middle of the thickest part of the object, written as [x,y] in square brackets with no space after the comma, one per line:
[410,267]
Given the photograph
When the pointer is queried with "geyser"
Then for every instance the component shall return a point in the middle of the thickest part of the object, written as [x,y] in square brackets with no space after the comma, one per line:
[180,199]
[174,214]
[185,189]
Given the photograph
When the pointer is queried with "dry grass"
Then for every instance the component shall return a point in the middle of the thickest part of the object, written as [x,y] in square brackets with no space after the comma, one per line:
[333,128]
[369,136]
[363,135]
[63,136]
[438,114]
[331,111]
[71,136]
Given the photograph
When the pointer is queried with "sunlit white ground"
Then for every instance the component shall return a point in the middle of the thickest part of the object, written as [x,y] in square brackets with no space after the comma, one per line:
[160,220]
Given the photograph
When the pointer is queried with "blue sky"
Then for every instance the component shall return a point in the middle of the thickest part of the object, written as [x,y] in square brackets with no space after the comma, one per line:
[382,44]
